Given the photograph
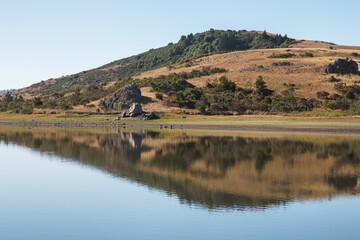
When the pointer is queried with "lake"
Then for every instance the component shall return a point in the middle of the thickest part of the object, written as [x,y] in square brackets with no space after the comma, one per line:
[67,183]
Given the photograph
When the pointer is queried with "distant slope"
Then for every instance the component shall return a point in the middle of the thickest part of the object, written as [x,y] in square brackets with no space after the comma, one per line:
[210,42]
[6,90]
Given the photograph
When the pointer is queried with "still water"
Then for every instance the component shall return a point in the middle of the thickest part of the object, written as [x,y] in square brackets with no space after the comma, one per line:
[134,184]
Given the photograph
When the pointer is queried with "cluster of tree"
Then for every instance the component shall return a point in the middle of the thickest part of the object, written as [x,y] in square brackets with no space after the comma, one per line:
[146,82]
[224,96]
[347,98]
[17,104]
[93,92]
[210,42]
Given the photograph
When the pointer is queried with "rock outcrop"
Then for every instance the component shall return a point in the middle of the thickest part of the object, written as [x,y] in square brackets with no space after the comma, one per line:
[342,66]
[147,116]
[122,99]
[135,110]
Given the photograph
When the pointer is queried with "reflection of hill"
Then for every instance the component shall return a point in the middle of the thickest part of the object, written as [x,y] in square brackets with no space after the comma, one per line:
[211,171]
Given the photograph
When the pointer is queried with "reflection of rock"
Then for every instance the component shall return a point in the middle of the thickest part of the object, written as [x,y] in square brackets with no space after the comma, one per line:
[121,99]
[135,110]
[342,66]
[135,140]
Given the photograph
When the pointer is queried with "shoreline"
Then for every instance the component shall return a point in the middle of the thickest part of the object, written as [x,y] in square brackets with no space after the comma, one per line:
[221,126]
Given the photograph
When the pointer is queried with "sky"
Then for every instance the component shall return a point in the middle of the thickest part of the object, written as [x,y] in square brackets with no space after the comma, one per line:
[48,39]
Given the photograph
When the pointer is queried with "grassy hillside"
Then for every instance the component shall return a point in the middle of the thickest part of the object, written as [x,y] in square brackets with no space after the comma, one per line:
[210,42]
[196,80]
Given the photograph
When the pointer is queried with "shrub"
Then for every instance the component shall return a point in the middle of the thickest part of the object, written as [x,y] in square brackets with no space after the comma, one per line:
[281,64]
[307,54]
[282,55]
[225,85]
[159,96]
[322,95]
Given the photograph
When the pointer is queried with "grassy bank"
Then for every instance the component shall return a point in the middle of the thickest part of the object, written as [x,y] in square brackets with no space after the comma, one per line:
[298,119]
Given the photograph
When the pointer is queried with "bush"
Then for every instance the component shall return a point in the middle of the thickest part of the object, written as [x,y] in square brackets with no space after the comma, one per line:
[225,85]
[281,64]
[159,96]
[187,98]
[282,55]
[307,54]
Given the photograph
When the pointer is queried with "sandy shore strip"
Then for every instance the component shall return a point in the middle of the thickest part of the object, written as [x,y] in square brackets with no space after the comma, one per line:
[294,127]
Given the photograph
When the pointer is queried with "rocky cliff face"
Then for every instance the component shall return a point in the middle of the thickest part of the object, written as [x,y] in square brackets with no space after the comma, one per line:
[122,99]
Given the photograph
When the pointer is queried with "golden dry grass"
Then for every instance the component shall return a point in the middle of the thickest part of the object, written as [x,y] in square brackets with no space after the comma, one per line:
[245,66]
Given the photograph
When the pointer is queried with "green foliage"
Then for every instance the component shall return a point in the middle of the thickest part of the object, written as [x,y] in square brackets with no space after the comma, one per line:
[159,96]
[307,54]
[37,102]
[16,104]
[261,90]
[225,85]
[187,97]
[348,98]
[282,55]
[281,64]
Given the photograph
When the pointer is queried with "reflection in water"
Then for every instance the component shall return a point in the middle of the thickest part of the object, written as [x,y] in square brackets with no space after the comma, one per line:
[213,171]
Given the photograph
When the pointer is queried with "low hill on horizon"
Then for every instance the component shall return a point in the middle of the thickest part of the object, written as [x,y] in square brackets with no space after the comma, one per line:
[6,90]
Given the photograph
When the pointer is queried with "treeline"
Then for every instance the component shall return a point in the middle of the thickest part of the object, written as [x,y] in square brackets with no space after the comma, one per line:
[209,42]
[347,98]
[223,96]
[17,104]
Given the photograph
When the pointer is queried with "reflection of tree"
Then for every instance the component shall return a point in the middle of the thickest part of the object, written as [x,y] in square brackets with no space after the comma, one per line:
[120,154]
[224,152]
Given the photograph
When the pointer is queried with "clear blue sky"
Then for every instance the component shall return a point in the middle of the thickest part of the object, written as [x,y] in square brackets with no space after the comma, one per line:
[44,39]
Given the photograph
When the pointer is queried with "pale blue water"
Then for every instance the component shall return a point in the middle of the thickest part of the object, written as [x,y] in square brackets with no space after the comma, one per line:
[48,197]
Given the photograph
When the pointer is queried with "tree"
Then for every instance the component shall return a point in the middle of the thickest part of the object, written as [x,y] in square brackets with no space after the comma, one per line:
[37,101]
[8,98]
[261,90]
[225,85]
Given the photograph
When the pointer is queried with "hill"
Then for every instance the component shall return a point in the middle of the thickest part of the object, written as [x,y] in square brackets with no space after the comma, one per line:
[206,43]
[274,80]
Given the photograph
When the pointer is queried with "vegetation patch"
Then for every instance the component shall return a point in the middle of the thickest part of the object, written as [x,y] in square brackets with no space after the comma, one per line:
[281,64]
[282,55]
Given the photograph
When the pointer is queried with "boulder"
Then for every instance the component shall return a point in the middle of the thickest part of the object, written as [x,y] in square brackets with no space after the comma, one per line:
[123,115]
[135,110]
[147,116]
[342,66]
[122,99]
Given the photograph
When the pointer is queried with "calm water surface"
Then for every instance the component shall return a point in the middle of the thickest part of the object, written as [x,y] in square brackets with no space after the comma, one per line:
[121,184]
